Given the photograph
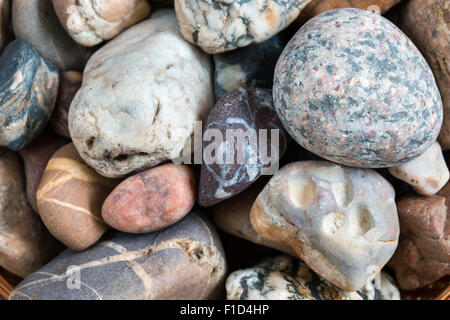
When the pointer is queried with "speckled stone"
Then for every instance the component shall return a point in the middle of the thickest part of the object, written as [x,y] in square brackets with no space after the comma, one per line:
[286,278]
[352,88]
[141,95]
[219,26]
[423,253]
[5,20]
[28,89]
[427,174]
[244,109]
[341,221]
[184,261]
[35,21]
[251,67]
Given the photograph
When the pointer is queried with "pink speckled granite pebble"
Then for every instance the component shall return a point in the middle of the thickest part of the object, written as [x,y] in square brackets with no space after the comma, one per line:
[352,88]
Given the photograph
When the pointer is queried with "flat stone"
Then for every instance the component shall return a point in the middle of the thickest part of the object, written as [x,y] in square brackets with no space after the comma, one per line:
[341,221]
[427,174]
[141,94]
[219,26]
[422,256]
[28,89]
[25,244]
[151,200]
[184,261]
[285,278]
[35,21]
[35,157]
[363,99]
[91,22]
[5,21]
[69,84]
[247,110]
[70,198]
[250,67]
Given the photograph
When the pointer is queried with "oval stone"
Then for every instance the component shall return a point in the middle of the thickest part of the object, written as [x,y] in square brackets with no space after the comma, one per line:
[352,88]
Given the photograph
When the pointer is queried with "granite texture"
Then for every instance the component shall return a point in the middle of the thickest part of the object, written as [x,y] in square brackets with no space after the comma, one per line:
[184,261]
[28,89]
[352,88]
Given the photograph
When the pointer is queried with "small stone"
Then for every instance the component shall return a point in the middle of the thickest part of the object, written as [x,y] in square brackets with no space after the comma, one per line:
[220,26]
[5,29]
[35,21]
[233,216]
[28,89]
[422,256]
[151,200]
[25,244]
[91,22]
[427,174]
[427,23]
[69,84]
[35,157]
[141,94]
[184,261]
[251,67]
[374,104]
[285,278]
[333,217]
[247,110]
[70,198]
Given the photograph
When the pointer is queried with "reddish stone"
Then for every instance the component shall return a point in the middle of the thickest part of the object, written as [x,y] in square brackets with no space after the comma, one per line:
[151,200]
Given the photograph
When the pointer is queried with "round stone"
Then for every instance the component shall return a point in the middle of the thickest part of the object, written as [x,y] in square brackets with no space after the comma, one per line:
[353,89]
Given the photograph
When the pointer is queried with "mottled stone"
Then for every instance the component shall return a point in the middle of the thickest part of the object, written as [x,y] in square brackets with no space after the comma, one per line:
[427,174]
[69,84]
[352,88]
[28,89]
[35,157]
[219,26]
[25,244]
[422,256]
[427,23]
[70,198]
[89,22]
[184,261]
[341,221]
[285,278]
[233,216]
[5,20]
[35,21]
[251,67]
[151,200]
[141,94]
[247,110]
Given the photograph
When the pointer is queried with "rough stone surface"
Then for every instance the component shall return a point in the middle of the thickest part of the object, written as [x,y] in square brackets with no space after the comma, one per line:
[422,256]
[5,19]
[25,244]
[251,67]
[70,198]
[35,21]
[141,94]
[285,278]
[69,84]
[341,221]
[35,157]
[427,174]
[219,26]
[28,89]
[427,23]
[151,200]
[374,103]
[89,22]
[233,216]
[248,110]
[184,261]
